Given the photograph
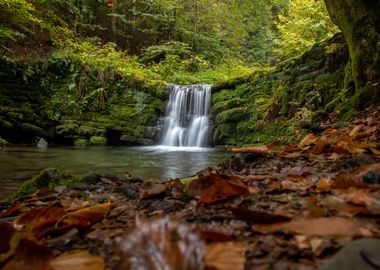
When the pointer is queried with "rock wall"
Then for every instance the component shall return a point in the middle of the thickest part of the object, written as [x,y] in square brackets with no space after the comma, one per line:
[274,104]
[67,103]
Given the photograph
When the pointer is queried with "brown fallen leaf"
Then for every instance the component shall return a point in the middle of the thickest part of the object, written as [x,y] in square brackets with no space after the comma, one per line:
[308,141]
[160,244]
[225,256]
[214,188]
[55,220]
[40,217]
[152,188]
[9,240]
[78,260]
[13,209]
[29,255]
[263,150]
[86,217]
[364,198]
[332,226]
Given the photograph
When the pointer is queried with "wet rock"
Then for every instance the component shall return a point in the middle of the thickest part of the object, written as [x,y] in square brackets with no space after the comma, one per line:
[128,139]
[129,191]
[32,129]
[372,177]
[361,254]
[89,187]
[90,178]
[42,144]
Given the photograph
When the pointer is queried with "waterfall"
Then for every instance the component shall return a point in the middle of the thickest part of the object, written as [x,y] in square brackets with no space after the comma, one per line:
[186,122]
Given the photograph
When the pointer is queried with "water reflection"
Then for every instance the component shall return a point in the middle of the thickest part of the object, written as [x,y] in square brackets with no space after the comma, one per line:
[20,163]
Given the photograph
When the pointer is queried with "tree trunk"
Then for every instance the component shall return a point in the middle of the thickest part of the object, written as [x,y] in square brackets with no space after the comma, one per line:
[359,21]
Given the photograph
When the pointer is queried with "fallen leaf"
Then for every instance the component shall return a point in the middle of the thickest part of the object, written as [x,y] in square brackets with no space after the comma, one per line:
[13,209]
[160,244]
[324,185]
[258,217]
[8,240]
[209,237]
[78,260]
[355,131]
[86,217]
[363,197]
[226,256]
[29,254]
[214,188]
[152,188]
[333,226]
[307,141]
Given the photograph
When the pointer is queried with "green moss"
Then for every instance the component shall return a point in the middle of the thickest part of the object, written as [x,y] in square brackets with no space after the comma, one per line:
[98,141]
[47,178]
[81,142]
[231,116]
[3,142]
[224,134]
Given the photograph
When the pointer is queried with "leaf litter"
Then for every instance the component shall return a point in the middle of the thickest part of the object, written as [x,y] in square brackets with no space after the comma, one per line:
[269,207]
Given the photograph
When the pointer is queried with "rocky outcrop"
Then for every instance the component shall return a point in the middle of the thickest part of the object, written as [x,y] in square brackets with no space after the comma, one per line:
[274,103]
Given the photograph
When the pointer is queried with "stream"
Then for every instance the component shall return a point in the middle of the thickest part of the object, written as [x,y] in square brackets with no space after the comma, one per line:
[18,164]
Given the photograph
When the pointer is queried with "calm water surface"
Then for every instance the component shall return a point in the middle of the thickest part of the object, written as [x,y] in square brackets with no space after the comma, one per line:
[20,163]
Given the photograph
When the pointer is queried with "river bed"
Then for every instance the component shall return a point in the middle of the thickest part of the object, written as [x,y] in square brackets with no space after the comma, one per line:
[18,164]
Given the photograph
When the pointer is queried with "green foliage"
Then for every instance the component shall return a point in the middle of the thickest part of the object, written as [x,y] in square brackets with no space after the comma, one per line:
[16,19]
[305,23]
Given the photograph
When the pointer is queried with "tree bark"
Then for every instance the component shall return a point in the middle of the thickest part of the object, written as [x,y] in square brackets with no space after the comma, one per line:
[359,21]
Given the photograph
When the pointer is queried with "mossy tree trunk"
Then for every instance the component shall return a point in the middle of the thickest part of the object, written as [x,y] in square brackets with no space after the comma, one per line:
[359,21]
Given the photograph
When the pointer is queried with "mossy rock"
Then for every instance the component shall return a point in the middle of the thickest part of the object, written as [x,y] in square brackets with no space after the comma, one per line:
[32,129]
[98,141]
[47,178]
[81,142]
[231,116]
[89,131]
[68,128]
[3,142]
[223,133]
[6,124]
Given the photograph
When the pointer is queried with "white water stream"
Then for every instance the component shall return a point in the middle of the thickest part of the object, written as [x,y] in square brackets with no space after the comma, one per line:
[187,122]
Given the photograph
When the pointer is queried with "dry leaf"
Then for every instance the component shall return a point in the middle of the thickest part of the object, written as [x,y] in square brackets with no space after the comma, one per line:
[225,256]
[152,188]
[29,255]
[332,226]
[14,208]
[78,260]
[222,188]
[86,217]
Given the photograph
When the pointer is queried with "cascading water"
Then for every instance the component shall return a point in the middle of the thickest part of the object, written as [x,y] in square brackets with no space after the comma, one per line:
[186,123]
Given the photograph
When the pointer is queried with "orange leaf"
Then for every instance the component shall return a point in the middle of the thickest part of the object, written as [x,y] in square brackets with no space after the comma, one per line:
[14,208]
[225,256]
[213,188]
[86,217]
[152,188]
[29,255]
[333,226]
[78,260]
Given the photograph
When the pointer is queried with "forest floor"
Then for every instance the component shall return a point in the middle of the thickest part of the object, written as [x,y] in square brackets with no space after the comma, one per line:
[269,207]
